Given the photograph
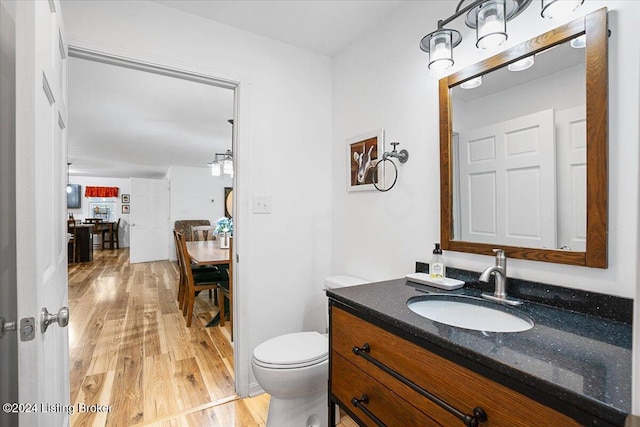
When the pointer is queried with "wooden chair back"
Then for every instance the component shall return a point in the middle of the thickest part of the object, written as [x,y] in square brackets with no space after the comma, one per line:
[191,287]
[203,232]
[182,278]
[110,233]
[73,238]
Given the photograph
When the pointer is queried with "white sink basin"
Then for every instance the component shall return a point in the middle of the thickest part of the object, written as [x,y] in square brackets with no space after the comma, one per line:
[469,313]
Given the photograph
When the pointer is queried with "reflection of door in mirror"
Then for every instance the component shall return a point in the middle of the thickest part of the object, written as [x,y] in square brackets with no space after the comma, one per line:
[524,155]
[521,163]
[507,182]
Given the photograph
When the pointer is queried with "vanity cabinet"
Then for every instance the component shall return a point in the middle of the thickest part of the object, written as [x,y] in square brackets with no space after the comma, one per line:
[383,379]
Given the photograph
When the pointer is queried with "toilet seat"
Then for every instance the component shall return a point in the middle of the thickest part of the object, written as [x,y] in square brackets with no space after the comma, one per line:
[290,351]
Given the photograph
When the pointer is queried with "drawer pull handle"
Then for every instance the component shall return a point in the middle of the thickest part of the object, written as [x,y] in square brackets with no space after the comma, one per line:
[479,415]
[358,403]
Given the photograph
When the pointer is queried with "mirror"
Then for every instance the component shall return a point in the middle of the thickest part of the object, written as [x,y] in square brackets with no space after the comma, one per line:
[524,155]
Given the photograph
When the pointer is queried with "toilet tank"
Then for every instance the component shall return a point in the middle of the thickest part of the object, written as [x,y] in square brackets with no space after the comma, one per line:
[334,282]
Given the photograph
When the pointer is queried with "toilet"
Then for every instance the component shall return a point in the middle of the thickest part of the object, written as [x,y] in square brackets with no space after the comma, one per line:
[294,370]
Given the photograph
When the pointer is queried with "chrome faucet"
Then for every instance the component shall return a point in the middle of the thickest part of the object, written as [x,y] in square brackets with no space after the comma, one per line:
[500,273]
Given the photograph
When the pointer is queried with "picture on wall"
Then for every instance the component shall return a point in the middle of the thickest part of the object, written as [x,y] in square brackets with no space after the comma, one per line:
[125,198]
[125,209]
[362,159]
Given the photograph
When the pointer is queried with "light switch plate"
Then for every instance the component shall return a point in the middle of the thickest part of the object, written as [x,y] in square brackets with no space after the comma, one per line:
[261,203]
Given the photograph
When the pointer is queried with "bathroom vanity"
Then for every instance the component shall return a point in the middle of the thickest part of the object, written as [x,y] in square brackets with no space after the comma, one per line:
[391,366]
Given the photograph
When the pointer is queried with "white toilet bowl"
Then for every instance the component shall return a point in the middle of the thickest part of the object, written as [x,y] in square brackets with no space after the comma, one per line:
[294,370]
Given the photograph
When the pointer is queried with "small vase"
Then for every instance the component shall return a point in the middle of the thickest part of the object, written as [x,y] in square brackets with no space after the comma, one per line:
[223,240]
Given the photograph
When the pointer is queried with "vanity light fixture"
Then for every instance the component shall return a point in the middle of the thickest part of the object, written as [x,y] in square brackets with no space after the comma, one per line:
[552,9]
[439,45]
[489,19]
[491,24]
[473,83]
[522,64]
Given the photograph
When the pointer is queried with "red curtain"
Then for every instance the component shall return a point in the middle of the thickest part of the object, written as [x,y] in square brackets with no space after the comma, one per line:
[100,191]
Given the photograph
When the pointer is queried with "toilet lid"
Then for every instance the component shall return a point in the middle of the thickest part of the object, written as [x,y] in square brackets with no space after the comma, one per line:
[298,349]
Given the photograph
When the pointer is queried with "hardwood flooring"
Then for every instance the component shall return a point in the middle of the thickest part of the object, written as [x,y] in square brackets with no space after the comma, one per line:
[130,347]
[130,350]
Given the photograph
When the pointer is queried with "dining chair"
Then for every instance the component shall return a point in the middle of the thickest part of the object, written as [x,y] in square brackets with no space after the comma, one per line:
[199,272]
[97,230]
[73,238]
[112,234]
[203,232]
[196,282]
[226,289]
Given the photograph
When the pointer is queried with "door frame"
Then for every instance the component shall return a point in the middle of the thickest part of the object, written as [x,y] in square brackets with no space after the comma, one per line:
[240,85]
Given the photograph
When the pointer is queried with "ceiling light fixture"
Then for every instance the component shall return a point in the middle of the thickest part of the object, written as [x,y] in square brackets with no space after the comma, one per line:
[69,189]
[489,18]
[224,165]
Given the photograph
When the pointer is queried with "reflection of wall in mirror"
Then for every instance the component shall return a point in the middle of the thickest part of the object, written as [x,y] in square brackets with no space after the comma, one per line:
[564,91]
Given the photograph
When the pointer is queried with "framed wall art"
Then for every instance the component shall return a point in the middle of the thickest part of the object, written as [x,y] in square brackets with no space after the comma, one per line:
[126,209]
[125,198]
[363,153]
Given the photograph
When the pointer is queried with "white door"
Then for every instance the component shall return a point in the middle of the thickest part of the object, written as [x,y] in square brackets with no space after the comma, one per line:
[571,134]
[41,244]
[149,220]
[507,182]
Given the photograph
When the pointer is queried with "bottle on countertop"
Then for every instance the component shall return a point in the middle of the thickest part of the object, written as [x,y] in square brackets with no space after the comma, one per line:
[436,265]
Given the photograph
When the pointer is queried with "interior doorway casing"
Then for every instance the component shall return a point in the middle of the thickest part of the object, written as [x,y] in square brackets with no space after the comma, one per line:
[193,73]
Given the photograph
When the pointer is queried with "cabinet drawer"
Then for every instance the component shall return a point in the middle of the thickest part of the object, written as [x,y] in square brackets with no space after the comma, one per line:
[454,384]
[347,382]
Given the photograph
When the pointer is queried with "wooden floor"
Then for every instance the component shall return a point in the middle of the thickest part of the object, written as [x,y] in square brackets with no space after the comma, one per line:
[130,349]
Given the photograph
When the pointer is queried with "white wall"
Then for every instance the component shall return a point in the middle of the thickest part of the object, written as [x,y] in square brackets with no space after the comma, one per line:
[97,181]
[383,81]
[284,119]
[195,194]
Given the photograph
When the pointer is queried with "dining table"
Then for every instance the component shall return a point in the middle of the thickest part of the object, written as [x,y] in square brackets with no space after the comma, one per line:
[208,252]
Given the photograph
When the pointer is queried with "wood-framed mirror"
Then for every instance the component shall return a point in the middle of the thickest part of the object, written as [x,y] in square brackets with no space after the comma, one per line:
[499,210]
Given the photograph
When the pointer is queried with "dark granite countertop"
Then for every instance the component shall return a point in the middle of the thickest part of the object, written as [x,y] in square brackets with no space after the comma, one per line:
[582,360]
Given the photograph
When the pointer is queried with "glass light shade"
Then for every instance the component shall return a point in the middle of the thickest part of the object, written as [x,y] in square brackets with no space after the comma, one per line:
[227,166]
[491,30]
[552,9]
[473,83]
[440,51]
[215,168]
[579,42]
[522,64]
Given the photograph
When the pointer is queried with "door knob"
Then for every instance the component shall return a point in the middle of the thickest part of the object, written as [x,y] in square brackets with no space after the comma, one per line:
[46,318]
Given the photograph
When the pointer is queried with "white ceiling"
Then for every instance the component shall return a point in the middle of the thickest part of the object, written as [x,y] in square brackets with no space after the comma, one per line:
[322,26]
[130,123]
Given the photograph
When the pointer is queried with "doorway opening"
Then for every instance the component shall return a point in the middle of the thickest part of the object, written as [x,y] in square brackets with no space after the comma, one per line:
[157,358]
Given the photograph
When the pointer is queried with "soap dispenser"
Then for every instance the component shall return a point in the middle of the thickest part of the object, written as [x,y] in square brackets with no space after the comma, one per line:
[436,265]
